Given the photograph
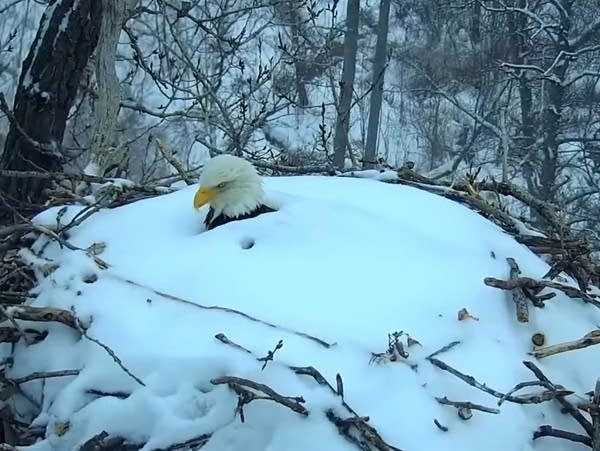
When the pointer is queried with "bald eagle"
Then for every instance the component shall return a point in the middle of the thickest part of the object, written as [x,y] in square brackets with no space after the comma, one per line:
[232,188]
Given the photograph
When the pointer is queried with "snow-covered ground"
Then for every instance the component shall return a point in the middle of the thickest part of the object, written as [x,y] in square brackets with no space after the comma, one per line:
[346,260]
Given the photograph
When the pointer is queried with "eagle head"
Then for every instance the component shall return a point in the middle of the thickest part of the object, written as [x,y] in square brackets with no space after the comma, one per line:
[230,185]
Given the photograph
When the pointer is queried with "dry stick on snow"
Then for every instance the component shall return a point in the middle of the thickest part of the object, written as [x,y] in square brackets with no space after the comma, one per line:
[466,405]
[532,284]
[44,314]
[226,310]
[102,442]
[113,394]
[244,387]
[351,424]
[552,393]
[358,431]
[528,399]
[270,354]
[440,426]
[444,349]
[223,339]
[368,437]
[44,375]
[569,408]
[110,352]
[518,295]
[549,431]
[590,339]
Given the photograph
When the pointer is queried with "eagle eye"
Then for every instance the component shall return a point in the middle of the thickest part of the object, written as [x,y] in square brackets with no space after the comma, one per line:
[221,185]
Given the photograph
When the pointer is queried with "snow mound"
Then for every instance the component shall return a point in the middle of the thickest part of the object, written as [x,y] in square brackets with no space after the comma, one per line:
[345,261]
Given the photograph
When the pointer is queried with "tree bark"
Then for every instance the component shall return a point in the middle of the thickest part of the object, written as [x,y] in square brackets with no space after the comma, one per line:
[48,85]
[377,92]
[103,150]
[340,143]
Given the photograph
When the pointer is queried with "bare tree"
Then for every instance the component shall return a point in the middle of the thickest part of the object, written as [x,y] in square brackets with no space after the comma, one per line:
[342,124]
[379,64]
[48,85]
[103,148]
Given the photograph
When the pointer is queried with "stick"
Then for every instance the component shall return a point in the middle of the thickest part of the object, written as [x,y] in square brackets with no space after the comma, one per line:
[173,161]
[466,405]
[43,314]
[590,339]
[549,431]
[532,284]
[474,383]
[109,352]
[570,408]
[360,433]
[44,375]
[225,309]
[519,298]
[293,403]
[444,349]
[552,392]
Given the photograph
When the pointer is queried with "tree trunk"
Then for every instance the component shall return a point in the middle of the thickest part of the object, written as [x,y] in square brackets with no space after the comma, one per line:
[377,92]
[340,143]
[103,150]
[517,23]
[48,85]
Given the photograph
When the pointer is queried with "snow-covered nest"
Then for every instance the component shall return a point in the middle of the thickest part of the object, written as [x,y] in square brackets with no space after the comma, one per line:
[347,261]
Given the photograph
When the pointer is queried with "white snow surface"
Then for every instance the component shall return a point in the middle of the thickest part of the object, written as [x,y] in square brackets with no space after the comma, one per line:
[345,260]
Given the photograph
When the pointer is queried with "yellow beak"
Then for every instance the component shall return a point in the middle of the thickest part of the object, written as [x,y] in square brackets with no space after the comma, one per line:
[204,196]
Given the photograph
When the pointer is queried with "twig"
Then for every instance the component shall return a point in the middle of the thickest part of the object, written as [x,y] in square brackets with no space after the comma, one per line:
[110,352]
[474,383]
[549,431]
[552,393]
[223,339]
[443,349]
[270,354]
[466,405]
[532,284]
[241,387]
[358,431]
[173,161]
[518,295]
[116,394]
[44,375]
[43,314]
[569,408]
[225,309]
[102,442]
[590,339]
[439,425]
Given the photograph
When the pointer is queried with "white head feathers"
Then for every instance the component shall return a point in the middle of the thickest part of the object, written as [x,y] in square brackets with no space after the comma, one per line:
[231,185]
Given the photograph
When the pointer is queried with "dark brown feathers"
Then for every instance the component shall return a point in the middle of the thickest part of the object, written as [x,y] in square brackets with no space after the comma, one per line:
[211,222]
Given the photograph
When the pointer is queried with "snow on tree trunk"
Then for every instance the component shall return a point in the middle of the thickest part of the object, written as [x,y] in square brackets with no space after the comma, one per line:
[103,150]
[377,92]
[340,144]
[48,85]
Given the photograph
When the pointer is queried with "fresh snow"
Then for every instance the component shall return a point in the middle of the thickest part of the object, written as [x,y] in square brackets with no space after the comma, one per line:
[347,260]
